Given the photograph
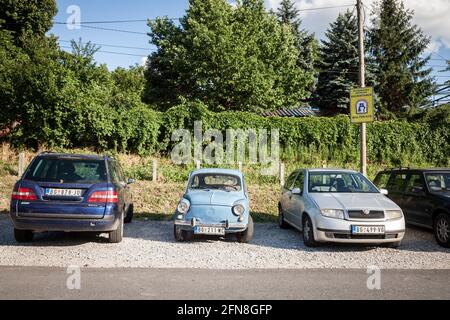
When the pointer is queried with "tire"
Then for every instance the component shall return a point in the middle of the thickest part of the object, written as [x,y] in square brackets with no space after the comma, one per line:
[308,232]
[130,213]
[281,223]
[23,235]
[247,235]
[116,236]
[181,235]
[441,229]
[393,245]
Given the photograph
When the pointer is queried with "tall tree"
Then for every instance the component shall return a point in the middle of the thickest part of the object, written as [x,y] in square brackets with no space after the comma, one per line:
[397,47]
[338,64]
[231,58]
[305,42]
[27,18]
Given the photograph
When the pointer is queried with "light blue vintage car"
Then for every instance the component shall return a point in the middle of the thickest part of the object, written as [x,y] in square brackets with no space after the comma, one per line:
[215,203]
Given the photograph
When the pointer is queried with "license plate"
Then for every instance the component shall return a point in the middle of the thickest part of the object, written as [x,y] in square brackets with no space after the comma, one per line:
[368,230]
[63,192]
[209,230]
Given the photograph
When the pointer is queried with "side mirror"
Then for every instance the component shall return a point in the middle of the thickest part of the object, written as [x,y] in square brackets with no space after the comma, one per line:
[296,191]
[384,191]
[131,181]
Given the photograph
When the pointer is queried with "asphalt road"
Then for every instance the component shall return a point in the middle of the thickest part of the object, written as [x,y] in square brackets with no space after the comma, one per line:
[186,284]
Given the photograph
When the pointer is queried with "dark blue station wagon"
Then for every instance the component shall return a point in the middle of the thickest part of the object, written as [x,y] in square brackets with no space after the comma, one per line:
[71,193]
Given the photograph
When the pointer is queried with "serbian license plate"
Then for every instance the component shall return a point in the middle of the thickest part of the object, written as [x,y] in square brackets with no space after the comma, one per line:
[368,230]
[217,231]
[63,192]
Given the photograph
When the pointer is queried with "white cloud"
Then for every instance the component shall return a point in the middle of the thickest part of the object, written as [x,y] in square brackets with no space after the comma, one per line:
[431,16]
[143,61]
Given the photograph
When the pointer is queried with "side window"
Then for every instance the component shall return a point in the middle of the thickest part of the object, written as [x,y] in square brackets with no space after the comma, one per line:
[381,181]
[415,181]
[397,182]
[120,173]
[113,172]
[290,180]
[299,181]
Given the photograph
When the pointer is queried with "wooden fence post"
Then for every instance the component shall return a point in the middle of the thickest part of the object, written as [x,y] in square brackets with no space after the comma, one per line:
[197,164]
[155,170]
[282,173]
[21,164]
[240,166]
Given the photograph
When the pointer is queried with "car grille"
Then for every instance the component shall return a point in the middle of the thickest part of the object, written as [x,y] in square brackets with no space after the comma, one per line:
[359,214]
[362,237]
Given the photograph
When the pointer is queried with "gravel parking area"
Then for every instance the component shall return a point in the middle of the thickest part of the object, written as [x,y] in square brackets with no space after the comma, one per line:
[150,244]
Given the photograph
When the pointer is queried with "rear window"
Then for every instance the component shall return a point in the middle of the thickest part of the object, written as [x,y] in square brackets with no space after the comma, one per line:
[67,170]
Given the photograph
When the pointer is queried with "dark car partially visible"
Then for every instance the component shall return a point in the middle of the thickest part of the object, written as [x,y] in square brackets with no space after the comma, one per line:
[423,195]
[71,193]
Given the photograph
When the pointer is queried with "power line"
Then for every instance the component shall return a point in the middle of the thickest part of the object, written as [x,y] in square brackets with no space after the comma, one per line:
[112,52]
[106,29]
[325,8]
[111,45]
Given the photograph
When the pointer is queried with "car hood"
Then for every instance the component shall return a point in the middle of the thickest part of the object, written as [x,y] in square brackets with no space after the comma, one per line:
[372,201]
[213,197]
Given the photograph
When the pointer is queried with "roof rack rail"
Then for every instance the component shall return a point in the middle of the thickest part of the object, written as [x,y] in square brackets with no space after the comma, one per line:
[400,168]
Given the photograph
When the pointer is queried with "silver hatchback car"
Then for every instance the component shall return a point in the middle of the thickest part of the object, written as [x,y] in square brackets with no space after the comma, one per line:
[334,205]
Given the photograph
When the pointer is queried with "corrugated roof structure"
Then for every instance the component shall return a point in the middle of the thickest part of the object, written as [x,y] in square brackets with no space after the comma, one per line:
[297,112]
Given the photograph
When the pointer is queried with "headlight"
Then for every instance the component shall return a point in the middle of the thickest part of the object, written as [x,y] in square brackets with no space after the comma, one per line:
[183,206]
[238,210]
[333,213]
[393,214]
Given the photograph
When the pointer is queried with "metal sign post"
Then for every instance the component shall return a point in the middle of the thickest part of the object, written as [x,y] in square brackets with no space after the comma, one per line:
[362,84]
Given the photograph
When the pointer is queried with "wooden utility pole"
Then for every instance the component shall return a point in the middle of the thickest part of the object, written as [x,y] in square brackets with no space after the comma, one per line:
[362,84]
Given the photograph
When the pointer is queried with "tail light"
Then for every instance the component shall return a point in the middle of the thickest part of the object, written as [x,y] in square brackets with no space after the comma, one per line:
[109,196]
[26,194]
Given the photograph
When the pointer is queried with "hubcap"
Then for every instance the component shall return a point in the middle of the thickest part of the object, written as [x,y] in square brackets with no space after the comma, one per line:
[306,229]
[443,230]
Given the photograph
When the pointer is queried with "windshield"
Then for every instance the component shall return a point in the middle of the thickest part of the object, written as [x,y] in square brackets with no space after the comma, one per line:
[438,182]
[67,171]
[339,182]
[215,181]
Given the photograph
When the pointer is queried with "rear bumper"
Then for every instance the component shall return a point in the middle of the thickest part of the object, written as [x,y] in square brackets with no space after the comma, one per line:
[67,223]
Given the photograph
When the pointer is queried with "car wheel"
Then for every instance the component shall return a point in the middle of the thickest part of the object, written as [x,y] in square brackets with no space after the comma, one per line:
[442,230]
[392,245]
[247,235]
[308,232]
[181,235]
[23,235]
[129,216]
[116,236]
[281,223]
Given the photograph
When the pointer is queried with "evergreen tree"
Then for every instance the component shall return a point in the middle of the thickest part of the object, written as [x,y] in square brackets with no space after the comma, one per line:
[338,64]
[306,42]
[397,47]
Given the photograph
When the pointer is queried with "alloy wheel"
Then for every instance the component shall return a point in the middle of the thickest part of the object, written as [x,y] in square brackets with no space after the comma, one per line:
[443,230]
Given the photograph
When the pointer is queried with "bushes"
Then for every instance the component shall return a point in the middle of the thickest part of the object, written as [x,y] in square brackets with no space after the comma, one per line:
[141,130]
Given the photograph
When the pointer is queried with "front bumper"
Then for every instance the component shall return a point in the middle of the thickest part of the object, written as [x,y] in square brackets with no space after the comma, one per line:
[229,227]
[339,231]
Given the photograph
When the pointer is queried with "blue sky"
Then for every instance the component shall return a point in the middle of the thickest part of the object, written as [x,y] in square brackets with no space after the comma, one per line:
[431,16]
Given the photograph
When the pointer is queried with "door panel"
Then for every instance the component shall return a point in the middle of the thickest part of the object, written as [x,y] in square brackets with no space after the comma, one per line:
[297,205]
[286,197]
[416,205]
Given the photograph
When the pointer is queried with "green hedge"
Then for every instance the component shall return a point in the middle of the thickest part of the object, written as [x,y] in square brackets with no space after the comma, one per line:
[146,132]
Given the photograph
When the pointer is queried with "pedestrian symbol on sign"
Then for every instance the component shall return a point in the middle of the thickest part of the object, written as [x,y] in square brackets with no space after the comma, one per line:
[362,107]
